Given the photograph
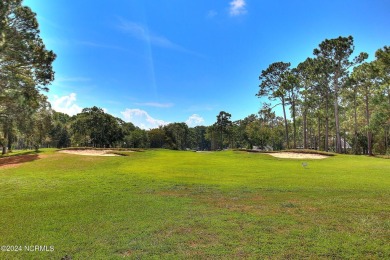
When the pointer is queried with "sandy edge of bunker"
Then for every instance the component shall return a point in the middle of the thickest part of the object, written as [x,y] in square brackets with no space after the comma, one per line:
[288,155]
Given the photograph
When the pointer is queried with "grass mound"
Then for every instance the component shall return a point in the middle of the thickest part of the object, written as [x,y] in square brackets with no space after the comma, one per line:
[100,149]
[383,156]
[306,151]
[309,151]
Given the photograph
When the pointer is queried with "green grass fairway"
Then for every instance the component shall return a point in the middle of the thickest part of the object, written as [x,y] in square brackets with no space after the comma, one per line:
[185,205]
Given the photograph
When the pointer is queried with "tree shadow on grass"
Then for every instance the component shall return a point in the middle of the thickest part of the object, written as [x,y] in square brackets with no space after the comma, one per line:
[18,153]
[11,161]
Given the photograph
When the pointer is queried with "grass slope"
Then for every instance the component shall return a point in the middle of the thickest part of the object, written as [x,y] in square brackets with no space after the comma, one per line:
[171,204]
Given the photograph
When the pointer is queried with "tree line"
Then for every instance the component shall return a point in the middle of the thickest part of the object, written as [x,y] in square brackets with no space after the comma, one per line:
[25,72]
[333,101]
[95,128]
[334,98]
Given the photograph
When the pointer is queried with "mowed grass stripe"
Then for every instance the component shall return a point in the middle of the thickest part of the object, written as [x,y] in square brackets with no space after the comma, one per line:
[172,204]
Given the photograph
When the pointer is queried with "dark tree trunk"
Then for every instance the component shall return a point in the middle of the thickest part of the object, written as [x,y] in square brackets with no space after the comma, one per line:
[10,141]
[369,133]
[336,114]
[221,139]
[386,138]
[304,129]
[285,123]
[294,125]
[5,144]
[345,145]
[355,125]
[319,132]
[327,126]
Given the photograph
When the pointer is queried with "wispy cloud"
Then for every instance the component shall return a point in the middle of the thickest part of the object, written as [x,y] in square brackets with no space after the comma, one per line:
[72,79]
[66,104]
[237,7]
[142,32]
[142,119]
[57,42]
[194,120]
[113,102]
[155,104]
[196,108]
[211,14]
[100,45]
[48,22]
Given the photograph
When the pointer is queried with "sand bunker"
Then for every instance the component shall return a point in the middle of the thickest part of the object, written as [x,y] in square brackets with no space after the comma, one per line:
[298,155]
[90,152]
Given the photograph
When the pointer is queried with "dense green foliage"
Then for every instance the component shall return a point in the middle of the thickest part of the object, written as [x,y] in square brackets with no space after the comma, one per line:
[337,103]
[25,70]
[175,205]
[95,128]
[330,106]
[353,119]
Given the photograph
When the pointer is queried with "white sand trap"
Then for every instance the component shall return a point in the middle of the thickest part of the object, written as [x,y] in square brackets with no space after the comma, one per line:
[90,152]
[288,155]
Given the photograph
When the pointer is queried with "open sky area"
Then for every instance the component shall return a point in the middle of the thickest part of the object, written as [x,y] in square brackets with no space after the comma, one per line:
[153,62]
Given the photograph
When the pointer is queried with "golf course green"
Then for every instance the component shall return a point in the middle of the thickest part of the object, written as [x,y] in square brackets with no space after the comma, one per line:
[165,204]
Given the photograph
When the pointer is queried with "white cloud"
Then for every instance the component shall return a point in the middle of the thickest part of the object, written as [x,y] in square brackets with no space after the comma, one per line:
[142,33]
[142,119]
[195,120]
[237,7]
[66,104]
[155,104]
[211,14]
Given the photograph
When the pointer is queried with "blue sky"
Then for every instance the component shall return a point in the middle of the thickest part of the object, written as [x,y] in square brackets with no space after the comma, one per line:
[153,62]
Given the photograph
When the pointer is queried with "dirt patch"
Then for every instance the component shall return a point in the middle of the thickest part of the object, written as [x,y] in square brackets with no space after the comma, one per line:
[13,161]
[90,152]
[298,155]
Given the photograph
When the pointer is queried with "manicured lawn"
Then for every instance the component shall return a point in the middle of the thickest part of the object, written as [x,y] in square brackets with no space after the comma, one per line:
[174,205]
